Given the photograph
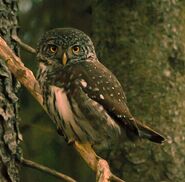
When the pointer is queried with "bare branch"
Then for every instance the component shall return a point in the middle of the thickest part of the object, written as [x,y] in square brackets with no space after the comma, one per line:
[45,169]
[23,45]
[103,172]
[26,77]
[88,154]
[116,179]
[23,74]
[97,164]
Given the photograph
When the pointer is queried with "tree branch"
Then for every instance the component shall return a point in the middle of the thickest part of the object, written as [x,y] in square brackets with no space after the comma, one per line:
[45,169]
[26,78]
[23,45]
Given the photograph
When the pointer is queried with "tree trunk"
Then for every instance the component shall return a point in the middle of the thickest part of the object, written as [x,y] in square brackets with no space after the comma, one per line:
[142,42]
[9,132]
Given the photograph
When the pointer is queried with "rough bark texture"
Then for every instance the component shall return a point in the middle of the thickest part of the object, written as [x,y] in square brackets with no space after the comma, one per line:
[9,133]
[142,42]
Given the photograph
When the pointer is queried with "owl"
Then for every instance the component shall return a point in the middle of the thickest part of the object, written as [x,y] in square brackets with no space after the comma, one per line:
[84,99]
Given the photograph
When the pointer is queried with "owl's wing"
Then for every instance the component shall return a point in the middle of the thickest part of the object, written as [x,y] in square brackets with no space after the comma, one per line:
[103,87]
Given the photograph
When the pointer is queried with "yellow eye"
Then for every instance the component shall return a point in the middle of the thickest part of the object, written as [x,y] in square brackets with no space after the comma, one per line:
[76,49]
[53,48]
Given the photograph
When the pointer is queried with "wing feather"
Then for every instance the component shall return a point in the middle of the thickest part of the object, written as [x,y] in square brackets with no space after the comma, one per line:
[103,87]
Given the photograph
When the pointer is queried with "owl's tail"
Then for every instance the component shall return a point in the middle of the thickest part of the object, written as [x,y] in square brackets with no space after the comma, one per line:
[148,133]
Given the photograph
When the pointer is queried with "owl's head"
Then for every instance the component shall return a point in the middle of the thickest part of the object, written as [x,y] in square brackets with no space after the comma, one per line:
[62,46]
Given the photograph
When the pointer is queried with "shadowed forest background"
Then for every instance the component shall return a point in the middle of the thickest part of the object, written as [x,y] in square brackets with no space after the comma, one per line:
[142,42]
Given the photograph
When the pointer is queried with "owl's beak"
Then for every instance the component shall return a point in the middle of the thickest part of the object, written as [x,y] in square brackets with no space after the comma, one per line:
[64,59]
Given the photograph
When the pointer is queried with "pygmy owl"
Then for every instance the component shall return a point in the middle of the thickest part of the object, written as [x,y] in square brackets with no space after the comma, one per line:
[84,98]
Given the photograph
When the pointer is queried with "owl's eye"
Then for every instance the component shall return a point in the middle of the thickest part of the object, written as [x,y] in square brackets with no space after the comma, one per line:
[52,49]
[75,49]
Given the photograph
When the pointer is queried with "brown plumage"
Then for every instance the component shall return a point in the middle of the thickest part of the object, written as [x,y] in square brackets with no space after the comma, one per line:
[84,98]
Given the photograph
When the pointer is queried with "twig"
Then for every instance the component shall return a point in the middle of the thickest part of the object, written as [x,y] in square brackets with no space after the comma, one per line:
[23,45]
[26,77]
[45,169]
[115,178]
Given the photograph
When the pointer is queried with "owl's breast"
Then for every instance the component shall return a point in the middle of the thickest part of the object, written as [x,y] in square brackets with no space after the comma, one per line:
[73,109]
[67,78]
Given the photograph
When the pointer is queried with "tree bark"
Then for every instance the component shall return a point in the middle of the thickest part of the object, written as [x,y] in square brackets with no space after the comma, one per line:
[9,132]
[142,42]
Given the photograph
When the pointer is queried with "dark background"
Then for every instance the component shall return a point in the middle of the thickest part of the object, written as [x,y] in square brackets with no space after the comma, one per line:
[142,42]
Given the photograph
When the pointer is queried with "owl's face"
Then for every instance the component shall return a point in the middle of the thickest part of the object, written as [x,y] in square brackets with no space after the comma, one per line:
[63,46]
